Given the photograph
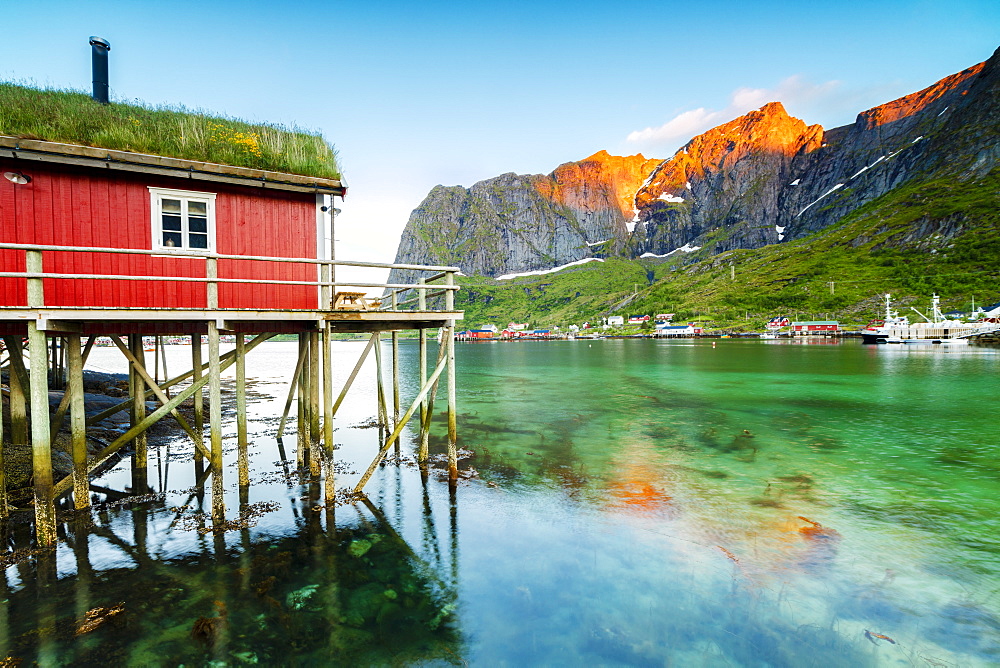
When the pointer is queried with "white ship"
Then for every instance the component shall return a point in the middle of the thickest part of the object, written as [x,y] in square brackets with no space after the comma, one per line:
[936,328]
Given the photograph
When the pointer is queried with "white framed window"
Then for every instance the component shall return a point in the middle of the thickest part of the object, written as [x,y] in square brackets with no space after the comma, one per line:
[182,220]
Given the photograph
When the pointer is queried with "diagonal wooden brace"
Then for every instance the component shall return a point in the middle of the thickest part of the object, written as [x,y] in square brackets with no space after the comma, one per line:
[354,374]
[16,361]
[160,394]
[291,391]
[227,361]
[402,423]
[66,483]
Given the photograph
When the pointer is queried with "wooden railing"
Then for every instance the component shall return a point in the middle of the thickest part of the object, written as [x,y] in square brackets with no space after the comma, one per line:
[327,284]
[425,290]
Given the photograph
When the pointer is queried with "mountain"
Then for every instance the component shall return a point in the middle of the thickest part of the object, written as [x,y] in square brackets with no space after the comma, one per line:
[514,223]
[762,179]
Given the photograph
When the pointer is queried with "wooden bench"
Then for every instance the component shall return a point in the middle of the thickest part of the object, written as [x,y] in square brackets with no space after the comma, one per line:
[354,301]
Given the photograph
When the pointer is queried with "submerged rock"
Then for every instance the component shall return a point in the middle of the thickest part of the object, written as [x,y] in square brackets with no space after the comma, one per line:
[298,599]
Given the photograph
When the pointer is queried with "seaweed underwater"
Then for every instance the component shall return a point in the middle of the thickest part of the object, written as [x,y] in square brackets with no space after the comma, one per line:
[356,594]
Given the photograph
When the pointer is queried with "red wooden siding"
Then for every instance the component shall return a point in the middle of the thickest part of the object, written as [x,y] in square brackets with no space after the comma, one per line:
[72,206]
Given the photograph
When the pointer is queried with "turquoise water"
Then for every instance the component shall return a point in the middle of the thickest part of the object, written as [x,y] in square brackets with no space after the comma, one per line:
[623,502]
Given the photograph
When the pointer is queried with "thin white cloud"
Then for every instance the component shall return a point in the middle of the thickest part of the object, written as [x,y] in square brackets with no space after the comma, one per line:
[793,91]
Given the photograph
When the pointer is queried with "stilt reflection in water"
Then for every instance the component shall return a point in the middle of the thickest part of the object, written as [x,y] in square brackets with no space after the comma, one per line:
[353,592]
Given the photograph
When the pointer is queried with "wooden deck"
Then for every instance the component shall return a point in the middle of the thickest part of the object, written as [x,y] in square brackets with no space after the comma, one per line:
[43,342]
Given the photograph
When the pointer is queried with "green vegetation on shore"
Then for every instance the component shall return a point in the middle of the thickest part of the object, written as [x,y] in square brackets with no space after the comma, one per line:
[72,117]
[940,236]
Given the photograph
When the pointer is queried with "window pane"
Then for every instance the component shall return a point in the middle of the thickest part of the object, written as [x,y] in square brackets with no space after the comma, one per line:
[198,208]
[198,240]
[172,239]
[171,222]
[172,206]
[198,224]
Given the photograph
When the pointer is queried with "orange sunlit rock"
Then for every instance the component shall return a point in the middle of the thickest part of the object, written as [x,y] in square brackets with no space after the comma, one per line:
[911,104]
[768,133]
[600,181]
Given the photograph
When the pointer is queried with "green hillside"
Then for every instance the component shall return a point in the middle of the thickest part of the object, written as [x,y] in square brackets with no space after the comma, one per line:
[932,236]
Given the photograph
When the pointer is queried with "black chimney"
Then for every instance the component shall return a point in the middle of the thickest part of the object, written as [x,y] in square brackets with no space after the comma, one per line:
[99,48]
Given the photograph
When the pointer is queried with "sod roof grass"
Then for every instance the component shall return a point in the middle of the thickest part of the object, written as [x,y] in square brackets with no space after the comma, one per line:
[73,117]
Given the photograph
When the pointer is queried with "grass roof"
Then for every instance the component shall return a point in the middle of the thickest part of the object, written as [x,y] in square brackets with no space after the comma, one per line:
[73,117]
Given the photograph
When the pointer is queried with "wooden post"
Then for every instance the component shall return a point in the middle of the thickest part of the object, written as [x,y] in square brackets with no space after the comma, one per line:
[302,439]
[163,354]
[78,424]
[211,287]
[314,415]
[395,368]
[241,411]
[41,444]
[4,512]
[18,391]
[449,299]
[137,386]
[215,422]
[199,399]
[329,483]
[383,416]
[41,450]
[422,334]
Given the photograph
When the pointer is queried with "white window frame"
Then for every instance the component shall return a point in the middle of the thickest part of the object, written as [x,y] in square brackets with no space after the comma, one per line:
[157,195]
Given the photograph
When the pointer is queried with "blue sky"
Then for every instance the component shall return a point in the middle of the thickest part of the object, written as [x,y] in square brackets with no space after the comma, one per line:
[419,94]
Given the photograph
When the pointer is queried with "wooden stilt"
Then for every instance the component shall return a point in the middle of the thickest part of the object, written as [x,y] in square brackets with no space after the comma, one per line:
[60,415]
[449,300]
[199,396]
[395,369]
[4,503]
[243,463]
[302,437]
[314,407]
[215,422]
[424,432]
[41,445]
[156,360]
[329,483]
[4,513]
[163,355]
[383,416]
[138,414]
[18,377]
[78,422]
[292,387]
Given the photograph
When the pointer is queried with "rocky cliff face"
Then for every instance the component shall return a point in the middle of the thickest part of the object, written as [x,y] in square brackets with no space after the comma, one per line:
[763,178]
[514,223]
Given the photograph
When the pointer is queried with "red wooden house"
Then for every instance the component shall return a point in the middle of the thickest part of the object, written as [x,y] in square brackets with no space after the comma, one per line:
[815,328]
[67,195]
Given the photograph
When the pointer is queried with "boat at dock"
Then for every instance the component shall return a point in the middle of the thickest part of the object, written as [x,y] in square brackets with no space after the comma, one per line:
[896,328]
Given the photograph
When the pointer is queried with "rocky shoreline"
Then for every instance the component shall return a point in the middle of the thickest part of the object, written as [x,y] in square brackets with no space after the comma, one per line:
[101,392]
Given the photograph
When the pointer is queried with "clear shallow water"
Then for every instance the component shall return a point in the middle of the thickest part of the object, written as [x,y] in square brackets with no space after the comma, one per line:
[635,503]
